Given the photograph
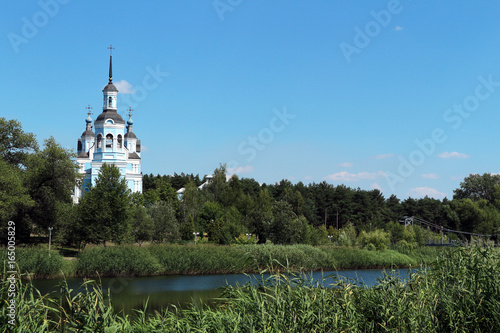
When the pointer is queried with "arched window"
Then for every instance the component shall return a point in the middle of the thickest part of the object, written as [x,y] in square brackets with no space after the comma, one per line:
[109,141]
[119,141]
[109,101]
[99,141]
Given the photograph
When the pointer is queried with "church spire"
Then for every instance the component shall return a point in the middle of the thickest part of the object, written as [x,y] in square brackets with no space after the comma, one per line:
[110,48]
[110,92]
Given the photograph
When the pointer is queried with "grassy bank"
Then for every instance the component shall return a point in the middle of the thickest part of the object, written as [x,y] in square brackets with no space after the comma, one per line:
[165,259]
[460,293]
[214,259]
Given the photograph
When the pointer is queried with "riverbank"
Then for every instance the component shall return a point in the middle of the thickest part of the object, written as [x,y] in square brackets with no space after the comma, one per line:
[171,259]
[460,293]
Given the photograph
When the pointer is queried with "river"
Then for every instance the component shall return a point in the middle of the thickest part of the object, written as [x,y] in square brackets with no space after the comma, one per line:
[162,292]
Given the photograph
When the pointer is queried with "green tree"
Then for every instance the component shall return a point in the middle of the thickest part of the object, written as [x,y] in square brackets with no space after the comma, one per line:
[51,177]
[104,211]
[260,215]
[281,228]
[165,225]
[142,225]
[477,187]
[13,193]
[15,144]
[211,211]
[218,185]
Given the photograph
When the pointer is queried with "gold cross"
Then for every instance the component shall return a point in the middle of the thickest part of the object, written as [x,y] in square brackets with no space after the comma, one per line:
[89,108]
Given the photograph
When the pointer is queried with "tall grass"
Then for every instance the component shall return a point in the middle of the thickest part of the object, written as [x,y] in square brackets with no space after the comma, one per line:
[117,261]
[460,293]
[36,262]
[199,259]
[351,258]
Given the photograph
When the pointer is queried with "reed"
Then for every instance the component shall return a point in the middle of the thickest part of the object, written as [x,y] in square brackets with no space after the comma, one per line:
[36,262]
[459,293]
[116,261]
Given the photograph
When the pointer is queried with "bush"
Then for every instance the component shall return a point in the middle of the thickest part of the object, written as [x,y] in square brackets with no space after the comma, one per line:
[379,239]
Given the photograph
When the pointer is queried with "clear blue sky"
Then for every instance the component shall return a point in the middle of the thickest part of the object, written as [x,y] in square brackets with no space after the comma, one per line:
[396,95]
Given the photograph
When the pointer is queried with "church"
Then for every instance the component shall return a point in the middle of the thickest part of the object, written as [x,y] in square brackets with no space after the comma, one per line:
[114,142]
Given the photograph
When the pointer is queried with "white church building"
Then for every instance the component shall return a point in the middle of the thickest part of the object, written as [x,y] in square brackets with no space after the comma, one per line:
[110,141]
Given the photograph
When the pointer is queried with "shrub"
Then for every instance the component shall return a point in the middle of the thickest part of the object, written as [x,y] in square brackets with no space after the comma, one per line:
[379,239]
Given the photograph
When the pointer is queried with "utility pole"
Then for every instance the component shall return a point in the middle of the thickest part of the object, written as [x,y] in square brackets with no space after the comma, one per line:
[337,219]
[50,237]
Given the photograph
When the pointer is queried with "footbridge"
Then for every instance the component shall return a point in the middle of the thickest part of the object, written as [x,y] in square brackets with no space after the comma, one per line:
[411,220]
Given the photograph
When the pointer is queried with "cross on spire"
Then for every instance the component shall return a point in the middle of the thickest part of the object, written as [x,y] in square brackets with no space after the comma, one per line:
[130,112]
[111,48]
[89,110]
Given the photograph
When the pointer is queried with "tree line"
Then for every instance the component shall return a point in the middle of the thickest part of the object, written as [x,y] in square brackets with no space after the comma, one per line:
[36,185]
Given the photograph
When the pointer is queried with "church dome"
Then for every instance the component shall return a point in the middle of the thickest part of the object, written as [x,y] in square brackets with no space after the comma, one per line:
[130,135]
[88,133]
[110,87]
[110,114]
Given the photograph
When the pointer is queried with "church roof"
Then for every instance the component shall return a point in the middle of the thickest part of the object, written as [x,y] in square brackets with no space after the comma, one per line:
[130,135]
[133,155]
[83,154]
[110,87]
[88,133]
[110,114]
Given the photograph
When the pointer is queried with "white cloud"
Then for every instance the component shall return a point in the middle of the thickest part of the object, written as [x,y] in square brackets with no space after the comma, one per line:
[308,177]
[376,186]
[345,176]
[398,28]
[346,164]
[420,192]
[430,176]
[382,156]
[124,87]
[240,169]
[453,155]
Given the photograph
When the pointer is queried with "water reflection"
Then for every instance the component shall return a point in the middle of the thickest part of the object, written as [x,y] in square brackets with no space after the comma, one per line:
[164,292]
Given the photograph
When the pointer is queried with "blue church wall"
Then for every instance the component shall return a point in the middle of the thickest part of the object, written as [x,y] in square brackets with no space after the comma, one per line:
[108,144]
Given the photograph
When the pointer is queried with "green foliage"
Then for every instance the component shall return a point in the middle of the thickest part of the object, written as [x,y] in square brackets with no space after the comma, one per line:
[281,228]
[117,261]
[347,236]
[15,144]
[349,258]
[142,225]
[199,259]
[104,211]
[165,225]
[51,178]
[210,212]
[376,239]
[13,194]
[478,187]
[460,293]
[243,239]
[36,262]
